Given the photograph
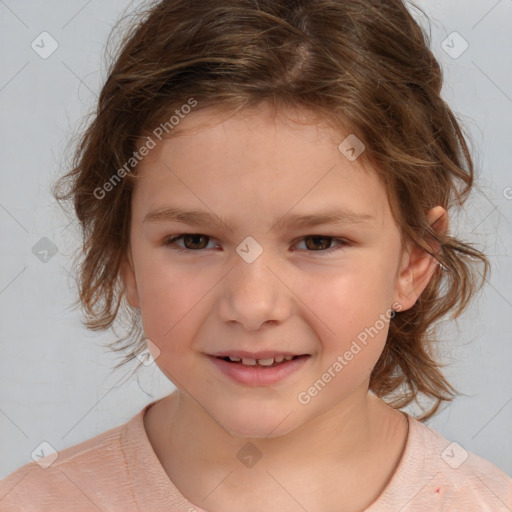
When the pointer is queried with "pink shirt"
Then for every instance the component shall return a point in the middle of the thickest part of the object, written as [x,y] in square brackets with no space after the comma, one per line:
[119,471]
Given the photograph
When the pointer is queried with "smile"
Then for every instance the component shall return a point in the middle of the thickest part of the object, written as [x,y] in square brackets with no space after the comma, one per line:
[267,362]
[260,369]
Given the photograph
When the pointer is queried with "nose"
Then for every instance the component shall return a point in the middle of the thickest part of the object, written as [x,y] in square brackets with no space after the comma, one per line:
[255,294]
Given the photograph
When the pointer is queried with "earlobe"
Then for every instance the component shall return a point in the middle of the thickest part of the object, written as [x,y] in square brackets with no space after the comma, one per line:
[129,281]
[417,266]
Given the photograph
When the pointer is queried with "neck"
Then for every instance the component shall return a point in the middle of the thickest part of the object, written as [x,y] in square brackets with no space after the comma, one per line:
[360,441]
[338,433]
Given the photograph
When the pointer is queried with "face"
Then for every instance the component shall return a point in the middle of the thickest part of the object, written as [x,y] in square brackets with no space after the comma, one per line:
[270,304]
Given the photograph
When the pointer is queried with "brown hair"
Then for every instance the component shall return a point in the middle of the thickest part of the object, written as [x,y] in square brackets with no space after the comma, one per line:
[361,64]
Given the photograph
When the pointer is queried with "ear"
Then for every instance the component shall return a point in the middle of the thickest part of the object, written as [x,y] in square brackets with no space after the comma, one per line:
[129,280]
[417,266]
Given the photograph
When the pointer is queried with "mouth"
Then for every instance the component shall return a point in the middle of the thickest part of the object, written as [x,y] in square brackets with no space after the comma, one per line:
[265,362]
[258,369]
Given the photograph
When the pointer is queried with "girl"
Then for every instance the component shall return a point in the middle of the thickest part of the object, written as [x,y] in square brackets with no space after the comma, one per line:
[266,188]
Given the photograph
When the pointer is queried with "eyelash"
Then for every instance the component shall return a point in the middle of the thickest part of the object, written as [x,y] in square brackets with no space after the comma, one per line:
[342,243]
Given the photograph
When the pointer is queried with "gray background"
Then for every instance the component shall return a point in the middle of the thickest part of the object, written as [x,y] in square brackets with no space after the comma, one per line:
[57,380]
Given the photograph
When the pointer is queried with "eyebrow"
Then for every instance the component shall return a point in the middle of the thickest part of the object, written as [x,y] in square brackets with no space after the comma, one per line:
[290,220]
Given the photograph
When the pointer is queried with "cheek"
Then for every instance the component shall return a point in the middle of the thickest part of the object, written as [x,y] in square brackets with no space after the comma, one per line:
[169,299]
[351,309]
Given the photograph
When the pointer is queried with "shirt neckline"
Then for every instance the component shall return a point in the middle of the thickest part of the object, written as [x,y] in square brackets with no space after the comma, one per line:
[409,469]
[152,484]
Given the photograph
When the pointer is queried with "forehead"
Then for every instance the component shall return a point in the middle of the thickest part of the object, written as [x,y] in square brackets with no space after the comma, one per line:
[258,161]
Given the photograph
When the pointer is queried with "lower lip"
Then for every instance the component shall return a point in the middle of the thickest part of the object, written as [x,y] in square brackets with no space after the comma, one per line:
[257,375]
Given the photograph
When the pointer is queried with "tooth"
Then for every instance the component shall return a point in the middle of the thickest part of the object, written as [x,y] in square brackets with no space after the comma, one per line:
[288,358]
[266,362]
[235,359]
[247,361]
[279,359]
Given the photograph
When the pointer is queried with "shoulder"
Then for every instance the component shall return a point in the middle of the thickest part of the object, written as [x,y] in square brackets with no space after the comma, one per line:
[438,474]
[73,477]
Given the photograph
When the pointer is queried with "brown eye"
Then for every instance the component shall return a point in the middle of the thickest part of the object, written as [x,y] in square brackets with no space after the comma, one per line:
[322,245]
[318,242]
[194,241]
[191,242]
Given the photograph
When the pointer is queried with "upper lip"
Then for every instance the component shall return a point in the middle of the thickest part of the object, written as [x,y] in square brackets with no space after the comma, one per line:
[265,354]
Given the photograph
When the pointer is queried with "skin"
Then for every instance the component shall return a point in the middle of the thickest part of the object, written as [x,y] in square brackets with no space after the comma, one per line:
[250,169]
